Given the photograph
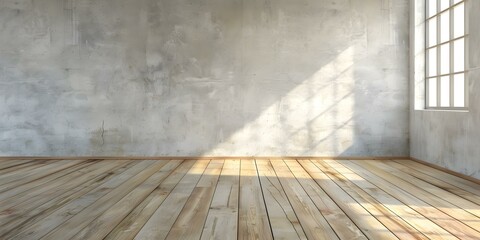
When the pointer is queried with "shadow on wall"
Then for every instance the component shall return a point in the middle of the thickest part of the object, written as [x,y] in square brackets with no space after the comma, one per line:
[214,77]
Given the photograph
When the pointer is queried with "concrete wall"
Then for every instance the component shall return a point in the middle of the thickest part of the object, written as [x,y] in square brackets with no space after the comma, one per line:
[450,139]
[207,77]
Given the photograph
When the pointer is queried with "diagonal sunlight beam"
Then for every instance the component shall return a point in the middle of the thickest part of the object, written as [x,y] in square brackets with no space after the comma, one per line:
[320,106]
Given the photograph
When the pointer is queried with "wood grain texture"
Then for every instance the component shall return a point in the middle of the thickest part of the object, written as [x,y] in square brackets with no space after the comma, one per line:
[253,222]
[222,219]
[133,223]
[283,220]
[422,227]
[368,224]
[244,198]
[338,220]
[190,222]
[30,206]
[314,223]
[394,223]
[161,222]
[75,224]
[408,196]
[82,197]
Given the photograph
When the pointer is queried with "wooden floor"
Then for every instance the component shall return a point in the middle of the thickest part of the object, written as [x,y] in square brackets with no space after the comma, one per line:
[234,199]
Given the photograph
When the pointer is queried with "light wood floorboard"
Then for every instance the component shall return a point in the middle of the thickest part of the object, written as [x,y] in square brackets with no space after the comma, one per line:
[234,199]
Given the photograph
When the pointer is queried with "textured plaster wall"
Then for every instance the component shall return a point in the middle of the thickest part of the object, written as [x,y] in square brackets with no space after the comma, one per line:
[204,77]
[445,138]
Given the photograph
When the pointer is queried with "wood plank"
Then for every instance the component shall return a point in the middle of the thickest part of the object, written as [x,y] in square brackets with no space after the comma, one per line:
[446,170]
[28,203]
[12,191]
[313,222]
[38,195]
[368,224]
[158,226]
[33,172]
[449,203]
[438,183]
[90,179]
[190,222]
[409,198]
[222,219]
[253,222]
[444,176]
[80,199]
[73,225]
[131,225]
[16,165]
[247,199]
[26,169]
[105,223]
[340,222]
[394,223]
[283,221]
[424,225]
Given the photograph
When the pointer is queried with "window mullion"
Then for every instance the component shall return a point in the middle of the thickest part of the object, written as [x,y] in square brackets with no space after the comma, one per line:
[427,62]
[465,46]
[437,79]
[451,22]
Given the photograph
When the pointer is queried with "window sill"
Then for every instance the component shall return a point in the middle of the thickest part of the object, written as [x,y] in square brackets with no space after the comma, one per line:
[444,110]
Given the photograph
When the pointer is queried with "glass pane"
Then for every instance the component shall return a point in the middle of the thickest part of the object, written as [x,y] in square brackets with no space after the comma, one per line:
[459,55]
[459,20]
[459,90]
[432,62]
[444,4]
[432,32]
[445,58]
[432,7]
[432,92]
[445,26]
[456,1]
[445,91]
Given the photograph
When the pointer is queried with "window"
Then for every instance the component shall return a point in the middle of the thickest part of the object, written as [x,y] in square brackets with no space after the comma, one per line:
[445,54]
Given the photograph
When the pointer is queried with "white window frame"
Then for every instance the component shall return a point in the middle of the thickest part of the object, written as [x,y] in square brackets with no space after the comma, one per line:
[438,44]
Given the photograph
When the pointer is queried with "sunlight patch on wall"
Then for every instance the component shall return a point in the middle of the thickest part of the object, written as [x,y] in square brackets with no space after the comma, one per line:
[314,115]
